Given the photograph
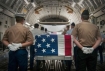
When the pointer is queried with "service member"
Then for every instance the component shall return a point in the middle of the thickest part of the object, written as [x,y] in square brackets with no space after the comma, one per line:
[100,48]
[64,32]
[39,62]
[46,31]
[66,29]
[89,39]
[69,62]
[70,30]
[35,31]
[17,38]
[42,29]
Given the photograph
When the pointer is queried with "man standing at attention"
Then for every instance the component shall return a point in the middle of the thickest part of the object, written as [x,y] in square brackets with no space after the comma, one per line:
[70,30]
[17,38]
[89,38]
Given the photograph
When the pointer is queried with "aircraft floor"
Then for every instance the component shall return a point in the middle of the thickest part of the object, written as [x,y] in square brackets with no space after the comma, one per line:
[4,66]
[56,65]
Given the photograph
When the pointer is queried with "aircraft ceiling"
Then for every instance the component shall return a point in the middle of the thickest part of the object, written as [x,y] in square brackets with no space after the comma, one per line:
[38,10]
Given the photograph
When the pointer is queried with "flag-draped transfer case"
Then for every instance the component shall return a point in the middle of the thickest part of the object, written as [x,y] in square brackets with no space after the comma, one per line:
[53,45]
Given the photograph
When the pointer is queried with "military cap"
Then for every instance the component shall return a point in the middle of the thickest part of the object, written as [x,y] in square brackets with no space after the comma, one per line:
[85,12]
[20,15]
[73,24]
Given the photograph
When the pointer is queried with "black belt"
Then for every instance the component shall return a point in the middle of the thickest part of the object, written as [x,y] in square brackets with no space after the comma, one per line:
[22,47]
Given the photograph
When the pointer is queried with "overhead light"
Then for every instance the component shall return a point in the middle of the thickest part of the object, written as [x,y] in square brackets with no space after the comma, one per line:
[91,14]
[33,4]
[69,20]
[26,1]
[38,20]
[27,23]
[32,26]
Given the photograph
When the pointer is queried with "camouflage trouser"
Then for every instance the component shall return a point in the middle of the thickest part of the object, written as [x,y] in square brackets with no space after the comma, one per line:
[88,61]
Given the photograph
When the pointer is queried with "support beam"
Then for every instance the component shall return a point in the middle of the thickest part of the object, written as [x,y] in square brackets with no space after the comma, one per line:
[6,7]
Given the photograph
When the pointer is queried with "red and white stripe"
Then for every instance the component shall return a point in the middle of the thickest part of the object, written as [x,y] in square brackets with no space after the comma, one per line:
[65,45]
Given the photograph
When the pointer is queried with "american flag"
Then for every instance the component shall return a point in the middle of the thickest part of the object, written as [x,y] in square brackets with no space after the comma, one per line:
[53,45]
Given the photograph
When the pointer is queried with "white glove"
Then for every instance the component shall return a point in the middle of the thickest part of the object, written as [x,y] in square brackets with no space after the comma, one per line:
[85,50]
[91,50]
[17,45]
[11,47]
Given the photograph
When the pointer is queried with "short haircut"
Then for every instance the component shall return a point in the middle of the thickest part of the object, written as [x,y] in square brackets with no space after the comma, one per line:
[19,19]
[42,28]
[45,29]
[73,24]
[36,25]
[85,17]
